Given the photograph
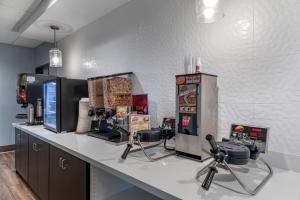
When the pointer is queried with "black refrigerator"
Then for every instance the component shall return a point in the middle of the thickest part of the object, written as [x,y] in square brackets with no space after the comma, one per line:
[61,103]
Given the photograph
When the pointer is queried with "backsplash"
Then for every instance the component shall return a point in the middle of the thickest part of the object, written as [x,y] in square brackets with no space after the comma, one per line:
[254,50]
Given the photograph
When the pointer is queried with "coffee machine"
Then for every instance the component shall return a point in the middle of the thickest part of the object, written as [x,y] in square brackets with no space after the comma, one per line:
[196,113]
[29,94]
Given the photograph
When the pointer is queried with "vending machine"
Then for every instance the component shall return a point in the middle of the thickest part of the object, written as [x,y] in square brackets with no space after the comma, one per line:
[196,113]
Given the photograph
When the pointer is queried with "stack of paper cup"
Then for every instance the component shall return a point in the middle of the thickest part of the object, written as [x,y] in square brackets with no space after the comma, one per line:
[84,121]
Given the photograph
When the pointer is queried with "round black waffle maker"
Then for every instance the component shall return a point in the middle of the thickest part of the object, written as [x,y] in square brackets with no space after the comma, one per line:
[156,136]
[234,153]
[153,135]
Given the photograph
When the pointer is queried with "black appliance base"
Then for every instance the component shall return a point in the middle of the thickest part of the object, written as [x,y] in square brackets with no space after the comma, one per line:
[110,136]
[190,156]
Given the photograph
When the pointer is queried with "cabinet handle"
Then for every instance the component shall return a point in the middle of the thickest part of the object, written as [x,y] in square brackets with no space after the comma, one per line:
[35,147]
[64,164]
[59,162]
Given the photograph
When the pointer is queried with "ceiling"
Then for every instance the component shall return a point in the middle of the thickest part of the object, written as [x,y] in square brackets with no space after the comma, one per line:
[10,12]
[70,15]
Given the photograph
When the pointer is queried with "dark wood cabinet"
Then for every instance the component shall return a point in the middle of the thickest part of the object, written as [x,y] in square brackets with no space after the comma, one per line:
[50,172]
[68,176]
[38,167]
[21,160]
[17,150]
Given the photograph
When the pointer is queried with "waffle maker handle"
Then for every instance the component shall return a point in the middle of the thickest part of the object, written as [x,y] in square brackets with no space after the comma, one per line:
[213,144]
[126,152]
[209,177]
[212,169]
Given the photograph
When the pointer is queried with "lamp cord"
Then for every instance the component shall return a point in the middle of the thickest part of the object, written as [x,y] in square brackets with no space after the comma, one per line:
[54,28]
[55,45]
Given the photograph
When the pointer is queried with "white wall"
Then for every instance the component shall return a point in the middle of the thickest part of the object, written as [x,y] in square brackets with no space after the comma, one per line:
[255,51]
[13,60]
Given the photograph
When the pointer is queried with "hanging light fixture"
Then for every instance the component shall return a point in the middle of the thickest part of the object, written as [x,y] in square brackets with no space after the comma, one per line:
[55,54]
[209,11]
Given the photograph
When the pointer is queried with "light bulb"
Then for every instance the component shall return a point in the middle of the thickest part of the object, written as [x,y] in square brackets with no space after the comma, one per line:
[210,3]
[208,13]
[55,57]
[55,60]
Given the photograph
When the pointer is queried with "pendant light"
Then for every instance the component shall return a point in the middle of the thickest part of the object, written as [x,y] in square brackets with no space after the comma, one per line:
[209,11]
[55,55]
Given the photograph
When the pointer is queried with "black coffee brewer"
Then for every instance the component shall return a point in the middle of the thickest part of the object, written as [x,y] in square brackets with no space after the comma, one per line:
[29,94]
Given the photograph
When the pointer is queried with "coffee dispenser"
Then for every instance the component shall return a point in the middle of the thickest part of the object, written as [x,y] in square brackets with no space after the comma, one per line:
[29,94]
[196,113]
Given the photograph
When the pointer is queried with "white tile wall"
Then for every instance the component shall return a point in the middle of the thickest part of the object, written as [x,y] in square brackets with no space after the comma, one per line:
[255,51]
[276,27]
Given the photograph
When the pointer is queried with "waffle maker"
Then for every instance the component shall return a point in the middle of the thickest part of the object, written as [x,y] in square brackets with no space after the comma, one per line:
[234,153]
[155,137]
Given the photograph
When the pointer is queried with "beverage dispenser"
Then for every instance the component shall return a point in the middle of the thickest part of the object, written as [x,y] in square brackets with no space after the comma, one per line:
[196,113]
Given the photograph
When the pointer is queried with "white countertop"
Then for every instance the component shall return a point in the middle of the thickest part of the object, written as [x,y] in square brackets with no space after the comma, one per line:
[169,178]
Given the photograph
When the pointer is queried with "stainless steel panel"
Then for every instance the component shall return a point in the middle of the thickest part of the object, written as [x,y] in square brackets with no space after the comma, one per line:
[207,116]
[209,109]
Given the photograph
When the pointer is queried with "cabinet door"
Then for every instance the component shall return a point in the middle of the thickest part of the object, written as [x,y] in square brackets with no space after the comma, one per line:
[17,150]
[68,176]
[33,165]
[38,167]
[75,172]
[23,165]
[43,169]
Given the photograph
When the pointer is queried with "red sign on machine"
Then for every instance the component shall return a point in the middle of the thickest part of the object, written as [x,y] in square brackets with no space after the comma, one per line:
[186,121]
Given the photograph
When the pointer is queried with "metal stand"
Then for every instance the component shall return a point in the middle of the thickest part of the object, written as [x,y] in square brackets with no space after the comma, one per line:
[220,161]
[149,157]
[225,165]
[136,141]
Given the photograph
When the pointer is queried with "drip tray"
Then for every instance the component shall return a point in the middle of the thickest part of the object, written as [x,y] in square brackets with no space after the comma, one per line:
[111,138]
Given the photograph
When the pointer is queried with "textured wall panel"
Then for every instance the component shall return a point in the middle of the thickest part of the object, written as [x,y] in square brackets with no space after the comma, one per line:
[13,60]
[276,27]
[254,49]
